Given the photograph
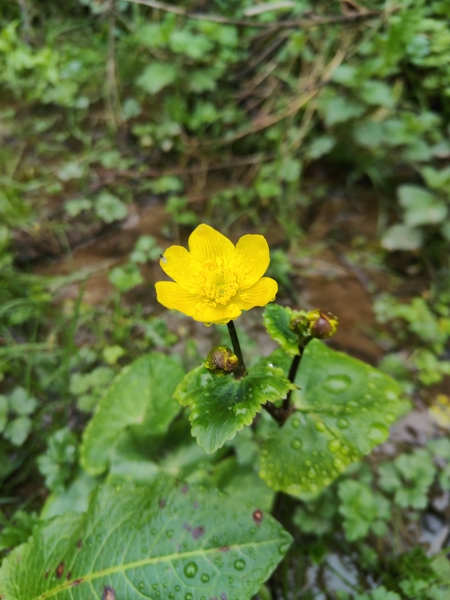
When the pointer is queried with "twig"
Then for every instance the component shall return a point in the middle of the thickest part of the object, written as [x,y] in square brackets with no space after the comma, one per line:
[112,88]
[312,21]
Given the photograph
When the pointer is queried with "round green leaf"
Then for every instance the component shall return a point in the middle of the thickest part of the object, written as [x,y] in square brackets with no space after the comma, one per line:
[344,409]
[276,320]
[17,430]
[141,395]
[222,406]
[168,540]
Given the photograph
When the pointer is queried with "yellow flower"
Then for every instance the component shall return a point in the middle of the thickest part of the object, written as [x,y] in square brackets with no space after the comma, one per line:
[216,280]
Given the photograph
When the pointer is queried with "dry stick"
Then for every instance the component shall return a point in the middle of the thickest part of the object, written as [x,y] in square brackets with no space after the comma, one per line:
[295,106]
[113,96]
[291,23]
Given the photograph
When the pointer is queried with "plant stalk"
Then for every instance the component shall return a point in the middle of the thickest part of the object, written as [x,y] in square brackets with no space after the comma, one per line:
[241,371]
[282,413]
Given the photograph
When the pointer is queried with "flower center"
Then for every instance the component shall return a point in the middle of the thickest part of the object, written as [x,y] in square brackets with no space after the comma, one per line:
[218,283]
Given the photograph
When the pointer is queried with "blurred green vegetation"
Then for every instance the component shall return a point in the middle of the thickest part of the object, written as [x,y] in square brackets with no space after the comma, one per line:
[249,122]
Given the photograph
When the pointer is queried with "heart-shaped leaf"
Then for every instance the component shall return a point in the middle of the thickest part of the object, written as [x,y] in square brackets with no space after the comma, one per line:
[222,406]
[277,320]
[162,541]
[142,394]
[344,409]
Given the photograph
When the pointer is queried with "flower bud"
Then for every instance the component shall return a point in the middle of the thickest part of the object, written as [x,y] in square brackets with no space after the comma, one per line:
[221,361]
[300,325]
[322,324]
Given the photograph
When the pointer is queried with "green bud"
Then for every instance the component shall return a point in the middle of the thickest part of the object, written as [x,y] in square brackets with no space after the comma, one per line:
[221,361]
[300,325]
[322,324]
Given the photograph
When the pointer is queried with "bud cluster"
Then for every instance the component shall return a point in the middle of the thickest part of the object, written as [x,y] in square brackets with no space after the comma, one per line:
[314,324]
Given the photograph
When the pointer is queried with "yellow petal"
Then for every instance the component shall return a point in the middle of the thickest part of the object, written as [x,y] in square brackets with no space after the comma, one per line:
[251,259]
[207,244]
[179,264]
[260,294]
[218,314]
[171,295]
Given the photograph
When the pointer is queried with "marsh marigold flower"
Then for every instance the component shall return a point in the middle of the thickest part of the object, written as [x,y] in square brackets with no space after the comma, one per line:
[215,280]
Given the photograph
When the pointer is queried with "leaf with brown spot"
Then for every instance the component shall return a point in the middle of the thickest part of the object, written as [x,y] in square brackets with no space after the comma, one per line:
[114,558]
[108,593]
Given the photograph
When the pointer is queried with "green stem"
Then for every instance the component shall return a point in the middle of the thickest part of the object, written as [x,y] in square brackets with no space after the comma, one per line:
[281,414]
[241,371]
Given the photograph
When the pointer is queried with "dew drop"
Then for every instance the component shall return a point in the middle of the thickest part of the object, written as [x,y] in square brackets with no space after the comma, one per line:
[283,548]
[296,444]
[190,570]
[390,417]
[337,384]
[342,423]
[239,564]
[334,445]
[169,533]
[295,423]
[177,588]
[188,596]
[141,585]
[320,426]
[205,577]
[378,433]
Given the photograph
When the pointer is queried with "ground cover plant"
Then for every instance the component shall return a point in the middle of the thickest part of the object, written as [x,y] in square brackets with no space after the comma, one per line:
[133,130]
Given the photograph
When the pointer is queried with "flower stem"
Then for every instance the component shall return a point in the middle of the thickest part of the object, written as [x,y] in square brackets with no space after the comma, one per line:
[282,413]
[241,371]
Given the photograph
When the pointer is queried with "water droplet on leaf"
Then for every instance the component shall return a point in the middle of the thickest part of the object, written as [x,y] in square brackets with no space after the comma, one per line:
[334,445]
[190,570]
[378,433]
[336,384]
[239,564]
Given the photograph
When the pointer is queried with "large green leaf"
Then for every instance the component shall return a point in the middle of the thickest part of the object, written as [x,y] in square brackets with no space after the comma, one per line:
[277,320]
[344,409]
[222,406]
[168,540]
[141,395]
